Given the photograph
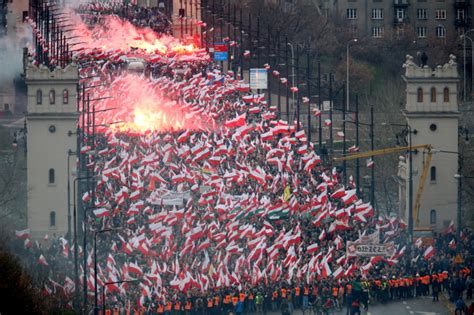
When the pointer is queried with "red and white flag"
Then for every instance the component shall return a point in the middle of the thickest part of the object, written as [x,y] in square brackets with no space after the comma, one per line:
[429,252]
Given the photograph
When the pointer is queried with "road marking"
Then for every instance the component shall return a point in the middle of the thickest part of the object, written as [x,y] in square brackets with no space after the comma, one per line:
[404,302]
[411,312]
[408,307]
[426,313]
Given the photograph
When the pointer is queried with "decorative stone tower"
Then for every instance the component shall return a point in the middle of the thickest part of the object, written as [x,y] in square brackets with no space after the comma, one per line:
[51,114]
[432,113]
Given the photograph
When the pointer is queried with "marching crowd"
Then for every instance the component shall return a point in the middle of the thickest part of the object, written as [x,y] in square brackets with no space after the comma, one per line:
[234,212]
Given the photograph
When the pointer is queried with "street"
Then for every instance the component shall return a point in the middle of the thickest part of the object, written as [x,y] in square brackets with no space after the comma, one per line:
[418,306]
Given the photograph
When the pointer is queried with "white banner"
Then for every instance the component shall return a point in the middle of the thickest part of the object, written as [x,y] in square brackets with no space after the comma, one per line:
[169,198]
[373,238]
[258,79]
[367,250]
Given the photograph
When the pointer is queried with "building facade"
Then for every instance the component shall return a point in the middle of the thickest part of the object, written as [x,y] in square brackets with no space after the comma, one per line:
[51,120]
[426,19]
[432,114]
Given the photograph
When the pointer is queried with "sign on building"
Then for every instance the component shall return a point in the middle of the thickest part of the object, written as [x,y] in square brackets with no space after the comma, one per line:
[220,52]
[258,79]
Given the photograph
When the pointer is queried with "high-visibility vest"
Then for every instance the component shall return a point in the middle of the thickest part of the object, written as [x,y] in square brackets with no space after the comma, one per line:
[108,312]
[306,291]
[160,309]
[335,291]
[242,297]
[283,293]
[235,300]
[227,299]
[297,291]
[188,306]
[251,297]
[177,306]
[314,292]
[216,300]
[116,311]
[168,306]
[209,303]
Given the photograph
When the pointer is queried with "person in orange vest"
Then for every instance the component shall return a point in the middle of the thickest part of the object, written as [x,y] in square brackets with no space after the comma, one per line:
[305,299]
[297,296]
[177,307]
[274,300]
[227,302]
[160,309]
[210,305]
[168,307]
[188,306]
[250,305]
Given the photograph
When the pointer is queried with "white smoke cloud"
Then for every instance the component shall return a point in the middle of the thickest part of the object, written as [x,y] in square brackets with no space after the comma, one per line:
[11,52]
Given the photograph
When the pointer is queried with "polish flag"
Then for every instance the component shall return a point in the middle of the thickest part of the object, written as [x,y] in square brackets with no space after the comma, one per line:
[312,248]
[238,121]
[338,273]
[134,268]
[350,196]
[316,113]
[370,163]
[266,66]
[429,252]
[327,122]
[340,134]
[42,261]
[305,100]
[23,234]
[276,73]
[325,270]
[338,194]
[452,244]
[284,80]
[184,136]
[294,89]
[353,149]
[365,269]
[247,53]
[243,87]
[102,212]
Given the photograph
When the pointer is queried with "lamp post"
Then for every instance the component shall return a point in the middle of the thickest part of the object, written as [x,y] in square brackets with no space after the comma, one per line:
[69,154]
[292,76]
[76,263]
[464,64]
[113,282]
[347,70]
[408,131]
[96,306]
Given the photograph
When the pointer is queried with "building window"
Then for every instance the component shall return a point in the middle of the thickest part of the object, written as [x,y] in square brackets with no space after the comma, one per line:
[440,14]
[419,95]
[440,31]
[433,95]
[433,216]
[446,95]
[377,32]
[400,15]
[39,97]
[51,176]
[351,14]
[65,96]
[460,14]
[52,219]
[421,14]
[433,173]
[377,14]
[421,32]
[52,97]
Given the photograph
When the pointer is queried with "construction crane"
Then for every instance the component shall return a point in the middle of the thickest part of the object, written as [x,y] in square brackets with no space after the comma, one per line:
[424,174]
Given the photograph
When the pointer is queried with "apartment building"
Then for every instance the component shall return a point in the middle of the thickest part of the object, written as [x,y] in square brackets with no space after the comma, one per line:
[427,19]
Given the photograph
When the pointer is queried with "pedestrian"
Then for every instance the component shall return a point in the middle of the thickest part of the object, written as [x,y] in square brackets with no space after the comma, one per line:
[460,306]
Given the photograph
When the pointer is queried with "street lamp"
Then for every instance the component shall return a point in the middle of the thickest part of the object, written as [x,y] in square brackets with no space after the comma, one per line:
[76,267]
[347,71]
[464,65]
[292,76]
[96,306]
[408,131]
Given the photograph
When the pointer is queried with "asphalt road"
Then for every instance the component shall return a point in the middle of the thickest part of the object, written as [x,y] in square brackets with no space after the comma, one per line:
[418,306]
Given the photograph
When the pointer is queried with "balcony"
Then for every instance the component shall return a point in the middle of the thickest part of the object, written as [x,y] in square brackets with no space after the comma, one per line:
[399,21]
[401,3]
[459,4]
[462,22]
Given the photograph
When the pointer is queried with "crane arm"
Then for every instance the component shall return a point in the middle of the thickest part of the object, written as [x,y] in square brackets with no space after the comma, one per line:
[382,152]
[421,187]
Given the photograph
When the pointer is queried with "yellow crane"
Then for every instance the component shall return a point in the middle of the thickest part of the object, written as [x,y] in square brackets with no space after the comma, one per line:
[424,174]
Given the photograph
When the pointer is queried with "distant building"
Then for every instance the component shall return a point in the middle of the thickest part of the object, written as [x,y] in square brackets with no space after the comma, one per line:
[51,116]
[432,113]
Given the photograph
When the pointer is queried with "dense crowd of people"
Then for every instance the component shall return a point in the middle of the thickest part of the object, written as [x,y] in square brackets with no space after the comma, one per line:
[232,212]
